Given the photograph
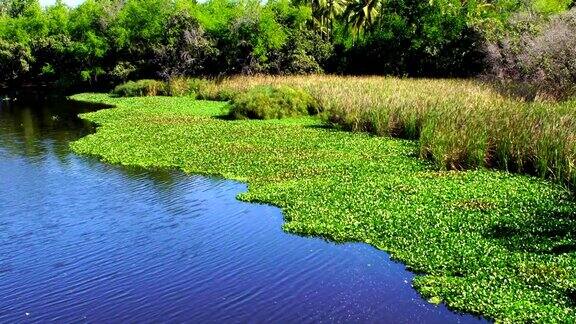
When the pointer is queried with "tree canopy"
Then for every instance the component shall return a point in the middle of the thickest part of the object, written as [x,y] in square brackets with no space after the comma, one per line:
[106,41]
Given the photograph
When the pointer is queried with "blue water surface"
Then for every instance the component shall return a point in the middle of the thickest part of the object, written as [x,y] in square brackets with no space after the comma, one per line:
[83,241]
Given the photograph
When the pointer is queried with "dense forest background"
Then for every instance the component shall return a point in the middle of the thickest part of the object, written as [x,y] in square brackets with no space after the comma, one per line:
[110,41]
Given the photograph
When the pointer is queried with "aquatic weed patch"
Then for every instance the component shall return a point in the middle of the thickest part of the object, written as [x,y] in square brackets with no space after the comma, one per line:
[486,242]
[459,124]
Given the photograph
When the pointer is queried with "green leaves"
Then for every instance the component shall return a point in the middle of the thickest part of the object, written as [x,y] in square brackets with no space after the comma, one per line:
[267,102]
[485,242]
[361,14]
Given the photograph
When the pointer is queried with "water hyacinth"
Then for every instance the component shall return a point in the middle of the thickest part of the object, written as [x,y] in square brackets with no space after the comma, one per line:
[485,242]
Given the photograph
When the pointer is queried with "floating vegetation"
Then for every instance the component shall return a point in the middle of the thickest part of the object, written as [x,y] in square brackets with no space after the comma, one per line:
[485,242]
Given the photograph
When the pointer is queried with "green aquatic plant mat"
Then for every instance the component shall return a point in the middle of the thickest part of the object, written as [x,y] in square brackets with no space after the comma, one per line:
[485,242]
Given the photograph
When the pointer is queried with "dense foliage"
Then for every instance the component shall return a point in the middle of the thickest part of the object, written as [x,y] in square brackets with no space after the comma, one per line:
[111,41]
[485,242]
[537,58]
[140,88]
[272,102]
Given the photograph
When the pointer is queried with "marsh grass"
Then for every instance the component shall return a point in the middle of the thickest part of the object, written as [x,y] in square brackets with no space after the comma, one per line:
[460,124]
[140,88]
[272,102]
[181,87]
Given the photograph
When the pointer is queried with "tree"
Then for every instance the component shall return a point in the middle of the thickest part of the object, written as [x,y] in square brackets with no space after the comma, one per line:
[325,13]
[361,14]
[186,49]
[88,33]
[17,8]
[15,60]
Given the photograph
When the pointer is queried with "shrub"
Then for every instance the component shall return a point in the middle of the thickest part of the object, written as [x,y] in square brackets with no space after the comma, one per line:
[536,59]
[181,87]
[268,102]
[140,88]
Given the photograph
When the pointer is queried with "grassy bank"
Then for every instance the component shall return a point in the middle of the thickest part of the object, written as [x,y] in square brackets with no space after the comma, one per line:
[485,242]
[460,124]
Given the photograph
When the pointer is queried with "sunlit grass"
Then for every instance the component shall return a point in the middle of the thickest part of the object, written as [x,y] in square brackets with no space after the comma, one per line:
[486,242]
[460,124]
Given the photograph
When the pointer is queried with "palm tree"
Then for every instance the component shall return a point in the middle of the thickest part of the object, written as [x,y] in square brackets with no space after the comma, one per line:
[325,12]
[332,10]
[360,15]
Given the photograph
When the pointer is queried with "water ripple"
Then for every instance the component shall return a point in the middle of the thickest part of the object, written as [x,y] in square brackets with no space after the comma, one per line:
[82,241]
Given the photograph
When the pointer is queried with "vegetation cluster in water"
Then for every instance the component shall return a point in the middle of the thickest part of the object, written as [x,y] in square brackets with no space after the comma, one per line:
[460,124]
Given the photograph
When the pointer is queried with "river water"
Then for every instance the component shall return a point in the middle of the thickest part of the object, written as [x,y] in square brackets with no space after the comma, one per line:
[83,241]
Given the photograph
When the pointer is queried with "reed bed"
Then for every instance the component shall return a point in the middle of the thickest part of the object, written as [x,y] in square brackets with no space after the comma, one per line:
[460,124]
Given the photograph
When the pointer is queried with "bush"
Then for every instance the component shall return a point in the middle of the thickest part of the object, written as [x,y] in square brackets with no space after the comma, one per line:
[200,88]
[537,59]
[181,87]
[268,102]
[140,88]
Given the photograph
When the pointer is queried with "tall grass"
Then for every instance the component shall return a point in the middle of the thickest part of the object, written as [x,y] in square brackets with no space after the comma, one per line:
[460,124]
[140,88]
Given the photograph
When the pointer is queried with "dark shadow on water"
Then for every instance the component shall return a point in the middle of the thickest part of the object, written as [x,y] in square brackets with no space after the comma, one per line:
[322,126]
[546,232]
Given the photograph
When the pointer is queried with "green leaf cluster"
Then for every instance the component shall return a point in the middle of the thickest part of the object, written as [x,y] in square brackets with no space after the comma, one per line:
[272,102]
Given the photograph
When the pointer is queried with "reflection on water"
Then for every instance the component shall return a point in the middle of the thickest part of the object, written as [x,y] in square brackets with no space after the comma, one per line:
[32,131]
[85,241]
